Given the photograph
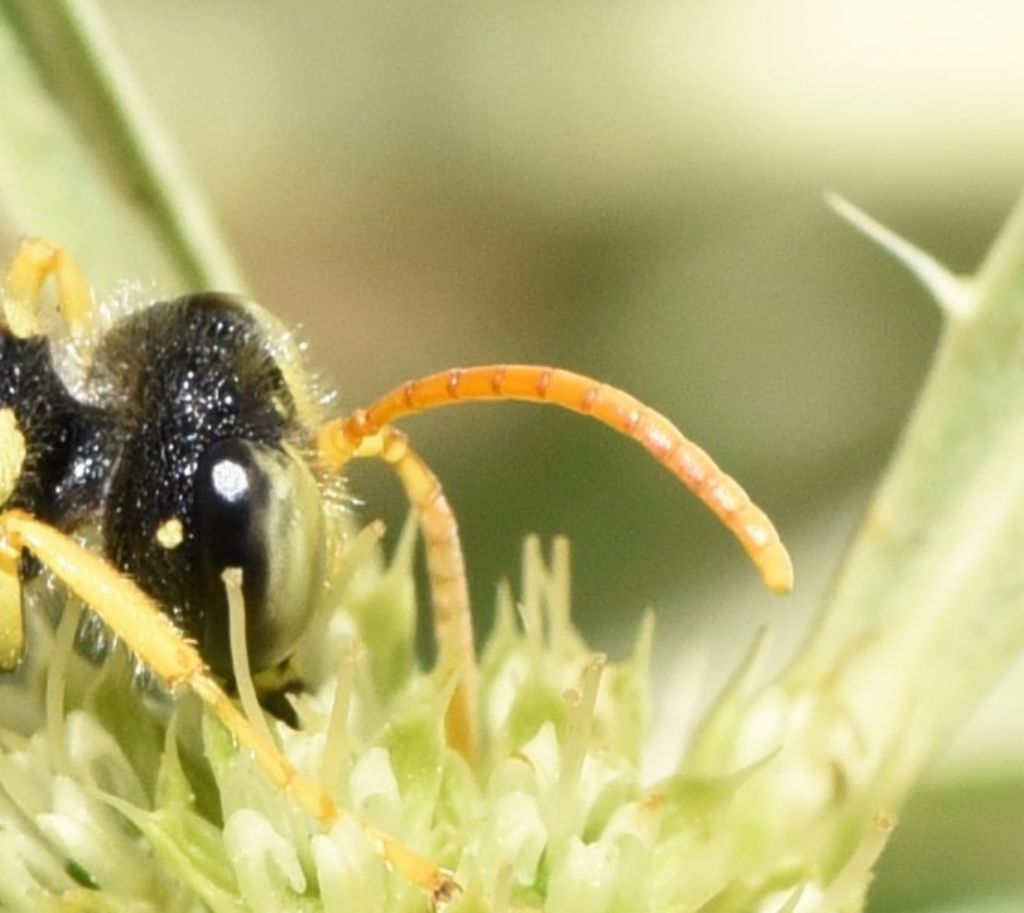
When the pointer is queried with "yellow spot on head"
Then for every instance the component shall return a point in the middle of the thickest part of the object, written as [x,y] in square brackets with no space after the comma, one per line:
[170,534]
[12,453]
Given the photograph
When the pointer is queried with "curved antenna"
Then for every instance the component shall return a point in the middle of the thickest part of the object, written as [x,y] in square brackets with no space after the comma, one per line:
[610,405]
[446,569]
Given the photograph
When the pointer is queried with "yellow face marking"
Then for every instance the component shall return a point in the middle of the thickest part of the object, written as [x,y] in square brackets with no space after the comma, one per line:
[12,453]
[170,533]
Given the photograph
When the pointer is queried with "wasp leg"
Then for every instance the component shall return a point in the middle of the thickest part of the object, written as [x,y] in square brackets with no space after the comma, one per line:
[12,453]
[609,405]
[12,624]
[449,594]
[149,633]
[12,631]
[35,261]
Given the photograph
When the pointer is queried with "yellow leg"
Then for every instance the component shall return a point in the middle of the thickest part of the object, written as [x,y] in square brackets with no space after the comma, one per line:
[453,620]
[35,261]
[12,453]
[146,631]
[12,624]
[12,631]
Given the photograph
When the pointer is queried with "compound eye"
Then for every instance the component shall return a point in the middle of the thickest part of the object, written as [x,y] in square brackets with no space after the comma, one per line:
[257,508]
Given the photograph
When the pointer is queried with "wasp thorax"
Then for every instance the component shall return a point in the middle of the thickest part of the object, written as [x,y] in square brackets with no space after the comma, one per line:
[257,508]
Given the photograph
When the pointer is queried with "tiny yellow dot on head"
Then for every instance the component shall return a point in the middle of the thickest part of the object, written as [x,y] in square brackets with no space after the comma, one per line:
[170,533]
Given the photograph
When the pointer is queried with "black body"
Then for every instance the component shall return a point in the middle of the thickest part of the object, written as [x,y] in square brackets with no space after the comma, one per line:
[168,385]
[70,446]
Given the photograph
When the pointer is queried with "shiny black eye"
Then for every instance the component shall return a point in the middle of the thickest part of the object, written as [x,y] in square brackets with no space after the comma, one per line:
[257,508]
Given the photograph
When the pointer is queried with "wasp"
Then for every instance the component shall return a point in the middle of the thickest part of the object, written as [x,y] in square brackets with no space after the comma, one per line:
[185,440]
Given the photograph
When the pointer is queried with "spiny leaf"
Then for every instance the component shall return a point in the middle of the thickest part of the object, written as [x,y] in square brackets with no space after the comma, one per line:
[952,294]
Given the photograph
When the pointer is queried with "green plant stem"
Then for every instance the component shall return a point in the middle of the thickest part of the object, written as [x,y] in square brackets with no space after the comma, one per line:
[94,84]
[937,561]
[924,616]
[1004,264]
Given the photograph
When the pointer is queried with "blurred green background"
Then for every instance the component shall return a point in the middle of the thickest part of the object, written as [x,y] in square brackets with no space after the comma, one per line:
[633,191]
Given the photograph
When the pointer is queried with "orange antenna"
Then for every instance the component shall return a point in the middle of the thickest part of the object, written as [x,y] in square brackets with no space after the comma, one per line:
[617,409]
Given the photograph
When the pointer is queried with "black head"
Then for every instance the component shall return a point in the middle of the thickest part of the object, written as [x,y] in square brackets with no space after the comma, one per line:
[210,475]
